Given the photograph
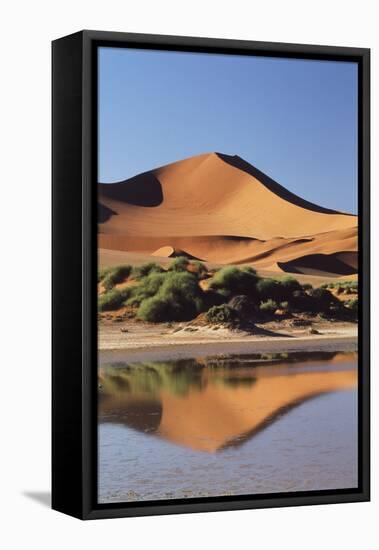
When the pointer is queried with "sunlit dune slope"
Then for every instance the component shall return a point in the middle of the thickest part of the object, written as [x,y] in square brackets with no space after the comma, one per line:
[220,209]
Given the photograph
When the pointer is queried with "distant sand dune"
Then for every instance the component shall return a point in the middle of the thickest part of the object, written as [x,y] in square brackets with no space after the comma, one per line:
[220,209]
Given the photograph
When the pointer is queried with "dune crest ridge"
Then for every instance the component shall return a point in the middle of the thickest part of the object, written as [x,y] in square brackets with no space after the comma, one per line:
[221,209]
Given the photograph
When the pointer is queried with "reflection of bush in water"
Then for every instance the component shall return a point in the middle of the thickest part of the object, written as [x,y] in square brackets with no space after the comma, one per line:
[260,359]
[180,377]
[152,377]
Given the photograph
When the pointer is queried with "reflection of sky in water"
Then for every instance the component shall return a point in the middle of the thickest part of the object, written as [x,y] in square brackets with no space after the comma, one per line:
[172,440]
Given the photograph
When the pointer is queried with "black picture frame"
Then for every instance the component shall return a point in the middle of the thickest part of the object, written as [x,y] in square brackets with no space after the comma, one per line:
[74,317]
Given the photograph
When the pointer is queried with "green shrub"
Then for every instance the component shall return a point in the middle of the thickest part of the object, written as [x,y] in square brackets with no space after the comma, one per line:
[180,264]
[177,297]
[145,269]
[269,306]
[348,287]
[290,284]
[116,275]
[156,310]
[268,288]
[113,299]
[232,281]
[222,314]
[102,272]
[352,304]
[277,290]
[200,269]
[147,287]
[183,287]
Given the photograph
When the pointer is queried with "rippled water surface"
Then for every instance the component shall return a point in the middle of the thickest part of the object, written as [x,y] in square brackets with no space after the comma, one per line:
[227,426]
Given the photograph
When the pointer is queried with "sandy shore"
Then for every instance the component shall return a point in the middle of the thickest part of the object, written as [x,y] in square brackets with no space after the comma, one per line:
[141,343]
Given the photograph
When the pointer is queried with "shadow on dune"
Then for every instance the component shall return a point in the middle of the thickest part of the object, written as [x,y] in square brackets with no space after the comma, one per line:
[142,190]
[325,263]
[104,213]
[273,186]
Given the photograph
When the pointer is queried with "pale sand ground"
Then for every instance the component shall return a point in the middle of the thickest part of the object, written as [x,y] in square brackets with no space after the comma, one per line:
[160,342]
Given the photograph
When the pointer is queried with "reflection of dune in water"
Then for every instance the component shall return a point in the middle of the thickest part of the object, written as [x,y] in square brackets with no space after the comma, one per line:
[219,415]
[218,408]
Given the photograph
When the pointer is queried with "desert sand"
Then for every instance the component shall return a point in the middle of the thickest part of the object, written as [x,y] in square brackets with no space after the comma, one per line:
[222,210]
[147,341]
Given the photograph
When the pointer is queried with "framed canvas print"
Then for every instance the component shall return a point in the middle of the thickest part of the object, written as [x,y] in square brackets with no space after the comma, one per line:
[210,274]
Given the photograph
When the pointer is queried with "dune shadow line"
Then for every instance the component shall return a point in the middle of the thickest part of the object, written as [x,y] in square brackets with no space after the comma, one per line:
[141,190]
[326,263]
[275,187]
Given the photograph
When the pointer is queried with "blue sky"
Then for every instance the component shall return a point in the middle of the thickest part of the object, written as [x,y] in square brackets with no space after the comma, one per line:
[295,120]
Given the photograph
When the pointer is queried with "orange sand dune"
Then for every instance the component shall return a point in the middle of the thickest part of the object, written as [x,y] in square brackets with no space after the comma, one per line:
[221,209]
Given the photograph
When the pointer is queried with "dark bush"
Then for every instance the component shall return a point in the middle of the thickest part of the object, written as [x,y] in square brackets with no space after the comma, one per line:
[269,288]
[277,290]
[290,284]
[323,300]
[243,305]
[269,306]
[213,298]
[300,301]
[223,314]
